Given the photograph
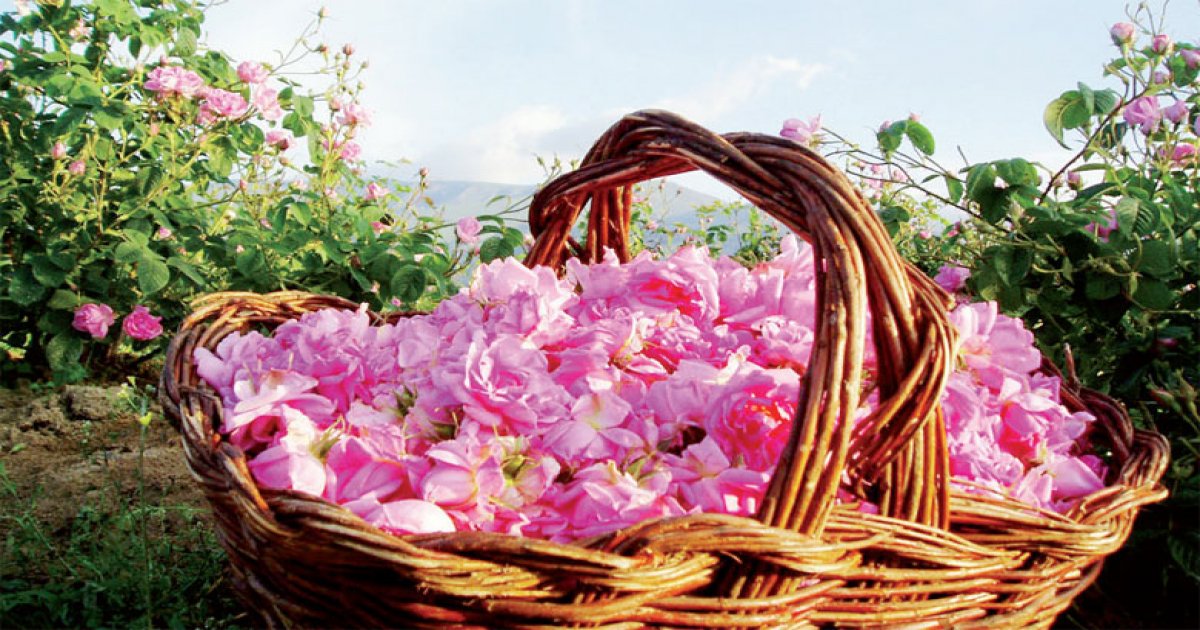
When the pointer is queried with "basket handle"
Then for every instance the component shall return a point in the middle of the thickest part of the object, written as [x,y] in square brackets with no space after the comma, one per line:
[897,456]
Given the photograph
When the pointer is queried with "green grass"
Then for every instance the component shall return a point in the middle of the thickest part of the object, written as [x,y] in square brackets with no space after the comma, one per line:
[124,560]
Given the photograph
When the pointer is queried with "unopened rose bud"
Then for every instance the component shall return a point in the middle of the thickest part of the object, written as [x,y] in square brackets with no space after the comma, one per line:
[914,117]
[1122,33]
[1162,44]
[243,186]
[153,130]
[323,49]
[77,168]
[423,173]
[1075,180]
[348,50]
[58,151]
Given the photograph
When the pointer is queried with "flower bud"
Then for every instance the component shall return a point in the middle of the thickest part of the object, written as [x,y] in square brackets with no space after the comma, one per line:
[1161,44]
[1075,180]
[58,151]
[77,168]
[1122,33]
[348,50]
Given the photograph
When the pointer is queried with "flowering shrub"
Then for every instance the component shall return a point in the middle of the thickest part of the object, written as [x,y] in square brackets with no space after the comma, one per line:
[1101,255]
[563,408]
[137,168]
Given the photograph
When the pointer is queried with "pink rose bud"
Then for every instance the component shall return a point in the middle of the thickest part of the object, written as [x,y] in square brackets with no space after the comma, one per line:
[423,173]
[77,168]
[1161,44]
[141,325]
[925,234]
[375,191]
[1075,180]
[885,125]
[1191,57]
[163,233]
[468,229]
[94,319]
[914,117]
[1122,33]
[280,139]
[348,49]
[1176,112]
[58,151]
[801,131]
[1161,77]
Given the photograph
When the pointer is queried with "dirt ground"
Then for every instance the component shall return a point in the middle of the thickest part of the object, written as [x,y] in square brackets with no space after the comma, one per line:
[75,445]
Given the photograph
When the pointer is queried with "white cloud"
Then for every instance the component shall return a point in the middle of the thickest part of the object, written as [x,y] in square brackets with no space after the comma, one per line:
[730,90]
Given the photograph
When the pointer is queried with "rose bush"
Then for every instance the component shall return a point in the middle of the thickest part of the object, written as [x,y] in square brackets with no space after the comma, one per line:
[1101,256]
[137,168]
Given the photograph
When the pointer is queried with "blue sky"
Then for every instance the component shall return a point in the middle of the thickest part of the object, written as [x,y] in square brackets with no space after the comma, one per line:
[475,89]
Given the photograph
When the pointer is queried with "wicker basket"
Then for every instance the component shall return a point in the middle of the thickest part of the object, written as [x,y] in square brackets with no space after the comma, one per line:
[935,557]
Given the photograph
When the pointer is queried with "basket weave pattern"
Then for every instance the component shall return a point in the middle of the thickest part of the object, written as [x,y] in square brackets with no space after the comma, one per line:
[933,557]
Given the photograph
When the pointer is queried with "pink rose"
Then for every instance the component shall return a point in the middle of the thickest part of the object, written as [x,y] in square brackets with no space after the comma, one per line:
[468,229]
[952,278]
[354,114]
[1176,112]
[375,191]
[252,72]
[223,104]
[141,325]
[266,101]
[1182,154]
[94,319]
[801,131]
[1102,230]
[280,139]
[1122,33]
[77,168]
[58,151]
[173,80]
[1144,113]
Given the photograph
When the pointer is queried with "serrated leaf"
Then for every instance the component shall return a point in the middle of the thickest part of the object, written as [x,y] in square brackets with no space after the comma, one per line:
[920,137]
[128,252]
[23,288]
[1087,95]
[1052,118]
[408,282]
[1011,264]
[152,275]
[63,300]
[63,351]
[185,43]
[1156,259]
[1101,287]
[187,270]
[46,272]
[1154,295]
[954,188]
[981,179]
[1017,172]
[1104,101]
[494,248]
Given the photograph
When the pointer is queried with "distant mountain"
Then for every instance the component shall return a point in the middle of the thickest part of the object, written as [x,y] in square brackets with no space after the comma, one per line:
[457,199]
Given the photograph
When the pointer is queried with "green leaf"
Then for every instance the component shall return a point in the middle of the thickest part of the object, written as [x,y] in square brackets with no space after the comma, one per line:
[1104,101]
[1128,210]
[1156,259]
[152,275]
[981,179]
[188,270]
[63,300]
[248,137]
[64,351]
[1053,119]
[303,106]
[46,272]
[1017,172]
[920,137]
[185,43]
[954,188]
[128,252]
[1154,295]
[1011,264]
[495,248]
[24,289]
[1101,287]
[408,282]
[1087,95]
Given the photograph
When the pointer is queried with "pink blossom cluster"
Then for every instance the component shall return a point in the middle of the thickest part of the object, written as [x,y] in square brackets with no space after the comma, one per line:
[94,319]
[562,408]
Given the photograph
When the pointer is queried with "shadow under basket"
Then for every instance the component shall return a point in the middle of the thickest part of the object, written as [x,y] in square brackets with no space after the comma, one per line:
[934,557]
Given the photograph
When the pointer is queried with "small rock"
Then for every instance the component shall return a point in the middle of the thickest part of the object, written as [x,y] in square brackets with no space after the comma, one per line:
[87,402]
